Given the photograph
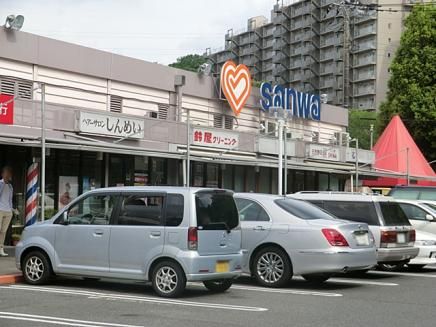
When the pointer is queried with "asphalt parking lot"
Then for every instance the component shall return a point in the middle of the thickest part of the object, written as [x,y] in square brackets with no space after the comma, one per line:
[376,299]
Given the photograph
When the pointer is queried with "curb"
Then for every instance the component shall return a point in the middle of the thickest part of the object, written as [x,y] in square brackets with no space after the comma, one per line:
[11,279]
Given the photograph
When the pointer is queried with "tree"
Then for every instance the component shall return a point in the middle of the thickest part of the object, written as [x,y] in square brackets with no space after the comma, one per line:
[359,126]
[412,87]
[189,62]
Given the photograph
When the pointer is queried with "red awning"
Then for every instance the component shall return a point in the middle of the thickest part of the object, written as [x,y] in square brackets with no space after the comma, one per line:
[394,151]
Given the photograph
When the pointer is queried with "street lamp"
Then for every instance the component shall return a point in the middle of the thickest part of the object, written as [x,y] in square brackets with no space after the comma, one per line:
[14,23]
[356,141]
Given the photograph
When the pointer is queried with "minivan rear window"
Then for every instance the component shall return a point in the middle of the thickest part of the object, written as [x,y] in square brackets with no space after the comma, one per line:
[216,210]
[393,214]
[303,209]
[361,212]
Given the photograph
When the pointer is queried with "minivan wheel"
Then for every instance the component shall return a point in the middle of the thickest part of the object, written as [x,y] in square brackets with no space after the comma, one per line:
[316,278]
[168,279]
[271,267]
[390,266]
[36,268]
[218,286]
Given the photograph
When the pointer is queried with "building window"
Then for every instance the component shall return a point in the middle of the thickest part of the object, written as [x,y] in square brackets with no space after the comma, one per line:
[162,111]
[228,122]
[218,121]
[116,103]
[389,25]
[389,54]
[12,86]
[389,40]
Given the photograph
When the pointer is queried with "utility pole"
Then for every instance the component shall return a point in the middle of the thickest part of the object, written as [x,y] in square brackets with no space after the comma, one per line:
[42,151]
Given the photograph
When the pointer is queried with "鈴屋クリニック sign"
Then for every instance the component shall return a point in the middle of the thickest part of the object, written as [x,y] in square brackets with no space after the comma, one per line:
[6,109]
[298,104]
[236,85]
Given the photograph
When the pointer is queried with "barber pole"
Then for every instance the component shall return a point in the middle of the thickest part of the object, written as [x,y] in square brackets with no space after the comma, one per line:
[32,194]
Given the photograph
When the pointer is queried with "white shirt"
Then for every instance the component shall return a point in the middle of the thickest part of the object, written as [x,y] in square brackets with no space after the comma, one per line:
[6,193]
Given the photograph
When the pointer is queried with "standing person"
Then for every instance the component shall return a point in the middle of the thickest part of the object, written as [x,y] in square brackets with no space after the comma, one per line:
[6,193]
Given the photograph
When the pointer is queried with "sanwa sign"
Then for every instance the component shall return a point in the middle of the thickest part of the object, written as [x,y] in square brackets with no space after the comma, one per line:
[299,104]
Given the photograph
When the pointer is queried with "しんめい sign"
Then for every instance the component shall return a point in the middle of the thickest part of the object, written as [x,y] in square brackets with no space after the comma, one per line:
[6,109]
[108,125]
[210,138]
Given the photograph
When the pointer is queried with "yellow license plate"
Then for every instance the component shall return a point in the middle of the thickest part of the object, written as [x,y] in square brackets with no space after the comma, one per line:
[221,266]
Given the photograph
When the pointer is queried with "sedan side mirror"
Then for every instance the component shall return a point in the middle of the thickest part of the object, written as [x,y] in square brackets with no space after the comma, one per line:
[429,217]
[65,220]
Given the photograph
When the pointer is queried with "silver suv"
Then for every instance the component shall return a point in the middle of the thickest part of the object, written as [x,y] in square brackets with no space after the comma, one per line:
[388,223]
[166,235]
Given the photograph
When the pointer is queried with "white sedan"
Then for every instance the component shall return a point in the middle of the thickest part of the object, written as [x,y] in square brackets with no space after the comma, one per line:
[426,243]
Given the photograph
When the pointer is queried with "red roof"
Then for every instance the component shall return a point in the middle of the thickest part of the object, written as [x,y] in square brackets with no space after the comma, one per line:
[391,155]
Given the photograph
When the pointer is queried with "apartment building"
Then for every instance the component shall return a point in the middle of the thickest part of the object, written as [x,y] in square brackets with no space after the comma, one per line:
[317,46]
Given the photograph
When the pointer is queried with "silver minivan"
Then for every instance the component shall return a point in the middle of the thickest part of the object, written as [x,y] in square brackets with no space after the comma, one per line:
[166,235]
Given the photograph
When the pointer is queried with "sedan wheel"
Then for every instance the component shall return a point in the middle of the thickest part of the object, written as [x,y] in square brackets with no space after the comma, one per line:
[168,279]
[36,268]
[316,278]
[272,267]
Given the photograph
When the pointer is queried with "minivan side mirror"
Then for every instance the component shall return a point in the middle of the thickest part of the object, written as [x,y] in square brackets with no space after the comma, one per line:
[429,217]
[65,220]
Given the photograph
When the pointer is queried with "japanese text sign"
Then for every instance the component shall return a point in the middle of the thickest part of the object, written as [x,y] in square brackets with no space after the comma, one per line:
[217,139]
[111,125]
[6,109]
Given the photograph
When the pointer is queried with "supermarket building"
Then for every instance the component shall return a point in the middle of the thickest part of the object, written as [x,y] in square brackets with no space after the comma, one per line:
[112,120]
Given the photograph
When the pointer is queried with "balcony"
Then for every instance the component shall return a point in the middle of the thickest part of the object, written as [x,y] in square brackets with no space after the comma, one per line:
[364,61]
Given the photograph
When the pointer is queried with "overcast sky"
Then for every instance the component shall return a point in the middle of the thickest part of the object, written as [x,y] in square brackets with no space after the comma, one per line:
[153,30]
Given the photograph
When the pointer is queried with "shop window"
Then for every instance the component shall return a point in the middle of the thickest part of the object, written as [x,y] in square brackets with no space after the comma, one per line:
[239,178]
[334,183]
[116,103]
[198,174]
[323,182]
[158,171]
[309,181]
[250,179]
[212,175]
[264,180]
[227,172]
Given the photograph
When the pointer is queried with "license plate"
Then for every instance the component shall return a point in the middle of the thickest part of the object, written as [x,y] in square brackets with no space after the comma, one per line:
[222,266]
[362,239]
[401,237]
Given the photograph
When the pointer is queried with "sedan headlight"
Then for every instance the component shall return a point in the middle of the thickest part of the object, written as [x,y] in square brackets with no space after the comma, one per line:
[425,242]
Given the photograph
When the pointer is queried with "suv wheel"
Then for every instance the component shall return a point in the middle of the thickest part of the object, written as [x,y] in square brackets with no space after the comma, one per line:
[271,267]
[168,279]
[36,268]
[218,286]
[316,278]
[391,266]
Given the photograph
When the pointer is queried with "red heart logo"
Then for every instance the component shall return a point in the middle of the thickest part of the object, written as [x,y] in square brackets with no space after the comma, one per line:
[236,85]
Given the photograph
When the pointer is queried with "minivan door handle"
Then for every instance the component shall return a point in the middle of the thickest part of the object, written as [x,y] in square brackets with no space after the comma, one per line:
[259,228]
[155,234]
[98,232]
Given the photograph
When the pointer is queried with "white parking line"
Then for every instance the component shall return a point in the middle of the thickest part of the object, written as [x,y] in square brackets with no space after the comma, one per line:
[122,297]
[425,275]
[360,282]
[58,320]
[278,290]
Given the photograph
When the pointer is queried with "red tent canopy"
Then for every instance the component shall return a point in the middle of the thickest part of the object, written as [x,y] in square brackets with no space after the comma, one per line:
[391,152]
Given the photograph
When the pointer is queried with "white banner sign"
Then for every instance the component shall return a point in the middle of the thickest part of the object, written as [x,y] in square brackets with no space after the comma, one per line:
[365,156]
[216,139]
[315,151]
[109,125]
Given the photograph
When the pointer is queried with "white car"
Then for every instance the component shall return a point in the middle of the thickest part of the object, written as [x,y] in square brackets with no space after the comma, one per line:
[422,215]
[426,243]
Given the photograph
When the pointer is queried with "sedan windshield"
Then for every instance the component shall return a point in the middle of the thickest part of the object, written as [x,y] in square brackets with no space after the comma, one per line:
[303,209]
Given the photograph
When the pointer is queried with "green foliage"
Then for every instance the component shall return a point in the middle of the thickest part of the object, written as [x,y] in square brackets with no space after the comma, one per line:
[189,62]
[412,87]
[359,126]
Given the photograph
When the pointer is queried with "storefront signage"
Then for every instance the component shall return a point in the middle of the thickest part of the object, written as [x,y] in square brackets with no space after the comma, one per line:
[109,125]
[365,157]
[6,109]
[236,85]
[298,104]
[216,139]
[320,152]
